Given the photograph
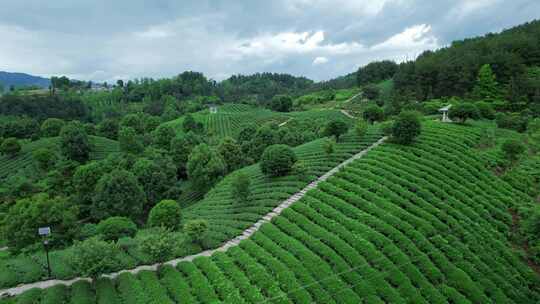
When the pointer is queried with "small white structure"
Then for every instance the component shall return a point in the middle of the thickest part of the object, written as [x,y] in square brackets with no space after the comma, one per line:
[444,111]
[213,108]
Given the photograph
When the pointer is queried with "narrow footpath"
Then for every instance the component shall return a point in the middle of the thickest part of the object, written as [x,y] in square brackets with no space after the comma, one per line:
[231,243]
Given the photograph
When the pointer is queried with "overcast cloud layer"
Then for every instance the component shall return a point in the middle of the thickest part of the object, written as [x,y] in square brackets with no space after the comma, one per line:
[104,40]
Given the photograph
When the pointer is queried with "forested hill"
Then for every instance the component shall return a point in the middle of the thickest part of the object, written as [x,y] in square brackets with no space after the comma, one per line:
[513,54]
[8,79]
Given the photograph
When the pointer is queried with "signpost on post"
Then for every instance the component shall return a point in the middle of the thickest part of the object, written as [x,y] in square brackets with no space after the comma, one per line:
[45,232]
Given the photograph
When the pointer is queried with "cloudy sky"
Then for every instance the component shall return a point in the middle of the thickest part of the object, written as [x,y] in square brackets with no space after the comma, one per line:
[103,40]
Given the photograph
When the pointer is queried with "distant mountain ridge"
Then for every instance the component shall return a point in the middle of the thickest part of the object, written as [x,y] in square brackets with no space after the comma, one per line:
[21,79]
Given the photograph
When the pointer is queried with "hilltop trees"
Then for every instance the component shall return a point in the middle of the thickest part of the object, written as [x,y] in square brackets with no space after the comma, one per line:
[406,127]
[376,71]
[74,142]
[277,160]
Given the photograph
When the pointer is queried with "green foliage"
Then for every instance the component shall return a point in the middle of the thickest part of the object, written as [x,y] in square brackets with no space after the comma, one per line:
[51,127]
[373,113]
[486,87]
[118,194]
[205,166]
[196,230]
[301,170]
[329,146]
[281,103]
[231,153]
[512,149]
[190,125]
[181,148]
[336,128]
[361,127]
[371,91]
[74,142]
[129,141]
[511,121]
[115,227]
[10,147]
[159,245]
[277,160]
[463,111]
[166,214]
[406,127]
[84,182]
[162,136]
[376,71]
[485,110]
[44,159]
[93,257]
[108,128]
[241,187]
[156,178]
[25,217]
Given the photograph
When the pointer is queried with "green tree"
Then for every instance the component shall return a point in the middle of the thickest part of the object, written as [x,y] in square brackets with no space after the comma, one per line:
[241,187]
[10,147]
[485,110]
[277,160]
[486,87]
[154,179]
[51,127]
[159,245]
[135,121]
[118,193]
[361,127]
[196,230]
[513,149]
[406,127]
[336,128]
[162,136]
[281,103]
[166,214]
[463,111]
[205,167]
[115,227]
[371,91]
[93,257]
[44,158]
[231,153]
[23,219]
[181,148]
[74,142]
[129,141]
[373,113]
[301,170]
[84,183]
[108,128]
[329,146]
[189,124]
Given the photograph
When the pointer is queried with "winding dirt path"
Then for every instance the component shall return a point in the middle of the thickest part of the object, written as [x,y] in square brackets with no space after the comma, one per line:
[231,243]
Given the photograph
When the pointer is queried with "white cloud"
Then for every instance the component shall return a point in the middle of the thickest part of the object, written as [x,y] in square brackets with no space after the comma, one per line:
[320,60]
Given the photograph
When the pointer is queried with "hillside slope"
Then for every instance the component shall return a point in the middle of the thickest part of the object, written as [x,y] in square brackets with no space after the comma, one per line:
[419,224]
[21,79]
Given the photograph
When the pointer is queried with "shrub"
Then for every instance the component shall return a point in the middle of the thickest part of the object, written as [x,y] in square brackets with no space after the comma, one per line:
[240,187]
[463,111]
[166,214]
[93,257]
[329,146]
[277,160]
[74,142]
[129,141]
[162,136]
[512,149]
[336,128]
[116,227]
[386,128]
[373,113]
[511,121]
[159,245]
[281,103]
[485,110]
[371,91]
[361,127]
[10,147]
[196,230]
[51,127]
[406,127]
[301,171]
[44,158]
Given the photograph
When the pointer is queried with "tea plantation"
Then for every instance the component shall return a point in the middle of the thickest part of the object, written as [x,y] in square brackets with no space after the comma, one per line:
[425,223]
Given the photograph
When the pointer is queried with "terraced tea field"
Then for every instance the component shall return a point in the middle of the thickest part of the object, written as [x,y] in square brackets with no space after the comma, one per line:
[9,165]
[420,224]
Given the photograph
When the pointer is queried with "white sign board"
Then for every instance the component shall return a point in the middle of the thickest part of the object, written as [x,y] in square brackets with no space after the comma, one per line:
[44,230]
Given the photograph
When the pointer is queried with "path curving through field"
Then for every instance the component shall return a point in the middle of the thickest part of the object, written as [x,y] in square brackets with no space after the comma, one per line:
[231,243]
